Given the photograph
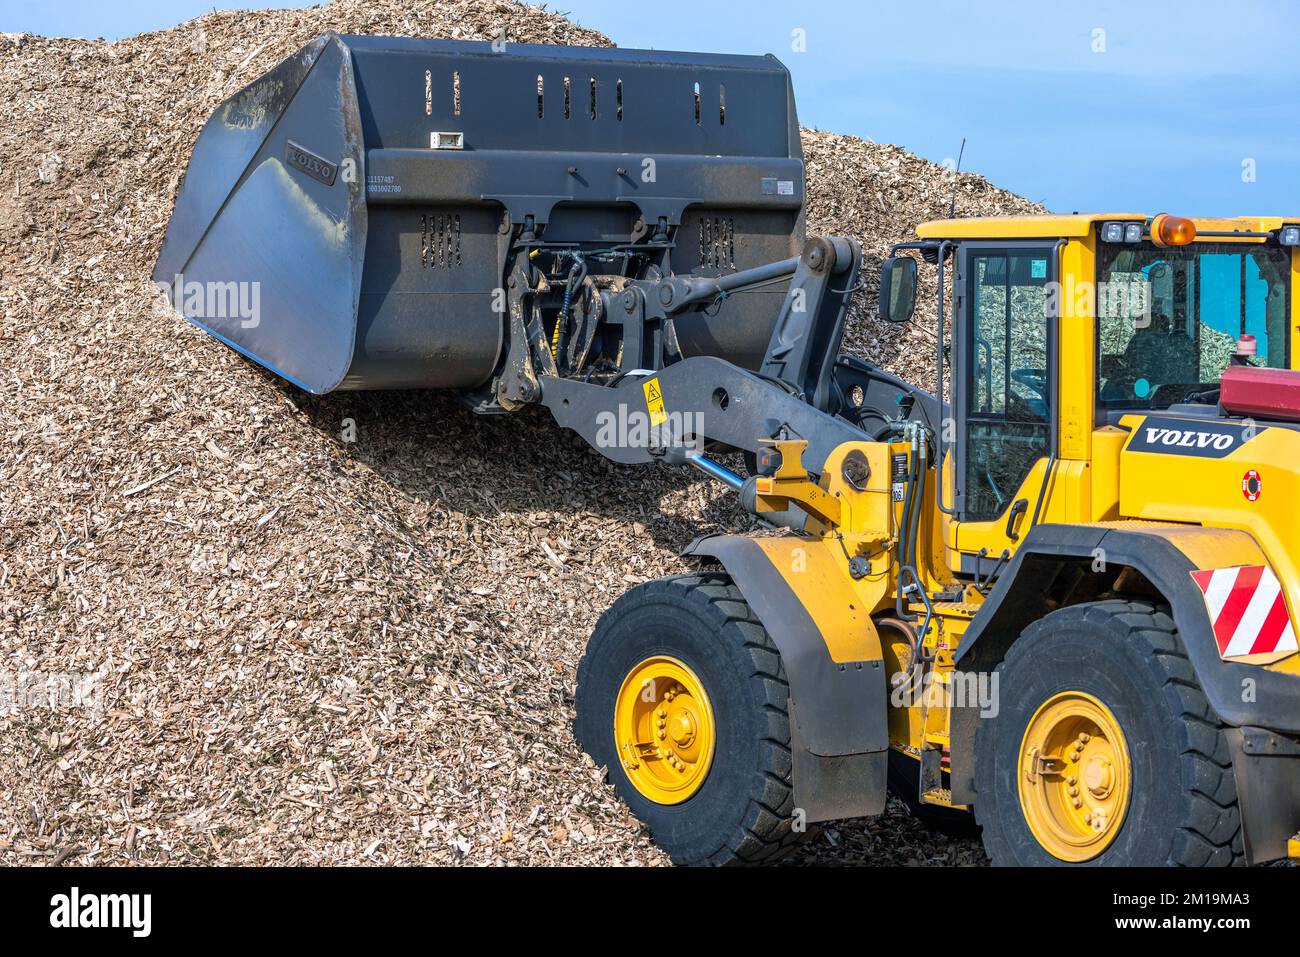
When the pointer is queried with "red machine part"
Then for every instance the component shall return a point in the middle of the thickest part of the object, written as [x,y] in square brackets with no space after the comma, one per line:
[1261,393]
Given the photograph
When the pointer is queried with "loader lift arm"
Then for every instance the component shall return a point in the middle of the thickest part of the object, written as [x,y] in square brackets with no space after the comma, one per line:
[803,388]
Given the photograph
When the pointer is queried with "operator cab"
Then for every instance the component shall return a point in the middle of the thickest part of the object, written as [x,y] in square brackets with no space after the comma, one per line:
[1063,325]
[1195,310]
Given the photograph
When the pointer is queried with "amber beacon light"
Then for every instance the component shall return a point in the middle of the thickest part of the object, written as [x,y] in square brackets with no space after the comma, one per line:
[1169,230]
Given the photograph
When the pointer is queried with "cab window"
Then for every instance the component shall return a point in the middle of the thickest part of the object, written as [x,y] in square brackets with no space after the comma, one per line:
[1008,412]
[1168,320]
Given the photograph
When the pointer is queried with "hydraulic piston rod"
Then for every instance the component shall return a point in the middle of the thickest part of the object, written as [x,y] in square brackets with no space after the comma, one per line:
[715,470]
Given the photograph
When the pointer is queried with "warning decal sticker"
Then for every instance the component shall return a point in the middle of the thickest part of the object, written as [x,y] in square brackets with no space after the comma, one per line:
[654,402]
[1247,612]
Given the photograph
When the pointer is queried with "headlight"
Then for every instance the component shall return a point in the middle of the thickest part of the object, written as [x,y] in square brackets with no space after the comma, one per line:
[1290,236]
[1121,232]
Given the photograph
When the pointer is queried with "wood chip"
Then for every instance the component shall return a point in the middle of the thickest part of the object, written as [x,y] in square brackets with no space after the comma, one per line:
[151,483]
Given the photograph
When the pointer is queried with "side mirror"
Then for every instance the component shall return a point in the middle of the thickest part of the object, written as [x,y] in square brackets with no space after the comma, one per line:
[897,288]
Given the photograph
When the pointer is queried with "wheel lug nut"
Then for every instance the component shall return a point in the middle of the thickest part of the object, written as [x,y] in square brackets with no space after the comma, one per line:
[1077,803]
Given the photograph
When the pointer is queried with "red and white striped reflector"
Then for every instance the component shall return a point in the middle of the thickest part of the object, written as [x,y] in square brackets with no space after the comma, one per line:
[1247,610]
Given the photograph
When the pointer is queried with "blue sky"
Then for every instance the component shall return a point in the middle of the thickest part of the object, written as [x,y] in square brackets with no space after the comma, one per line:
[1191,107]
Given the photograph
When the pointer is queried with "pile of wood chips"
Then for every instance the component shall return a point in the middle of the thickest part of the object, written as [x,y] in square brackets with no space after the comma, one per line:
[292,648]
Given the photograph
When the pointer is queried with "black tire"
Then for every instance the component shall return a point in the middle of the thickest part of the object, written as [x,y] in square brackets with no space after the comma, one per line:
[743,811]
[1183,801]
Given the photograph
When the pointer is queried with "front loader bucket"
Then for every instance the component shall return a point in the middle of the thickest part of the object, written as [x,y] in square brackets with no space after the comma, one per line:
[267,240]
[349,219]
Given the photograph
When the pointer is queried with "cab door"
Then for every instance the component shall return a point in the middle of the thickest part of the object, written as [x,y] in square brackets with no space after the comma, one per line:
[1005,387]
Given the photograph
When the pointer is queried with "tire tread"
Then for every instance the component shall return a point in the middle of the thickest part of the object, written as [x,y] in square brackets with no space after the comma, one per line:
[1210,833]
[764,830]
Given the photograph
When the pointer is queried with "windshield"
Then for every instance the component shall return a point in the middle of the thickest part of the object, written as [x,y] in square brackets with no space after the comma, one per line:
[1168,319]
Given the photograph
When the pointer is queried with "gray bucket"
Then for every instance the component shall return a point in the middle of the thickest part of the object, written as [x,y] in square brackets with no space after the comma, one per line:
[363,198]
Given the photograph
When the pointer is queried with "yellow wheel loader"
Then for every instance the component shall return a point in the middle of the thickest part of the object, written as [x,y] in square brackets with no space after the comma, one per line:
[1057,593]
[1060,599]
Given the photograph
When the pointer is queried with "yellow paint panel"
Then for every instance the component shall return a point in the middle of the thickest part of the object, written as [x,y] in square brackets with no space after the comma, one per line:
[1295,308]
[1018,227]
[1080,224]
[992,535]
[1107,444]
[817,572]
[1208,492]
[1077,349]
[1073,485]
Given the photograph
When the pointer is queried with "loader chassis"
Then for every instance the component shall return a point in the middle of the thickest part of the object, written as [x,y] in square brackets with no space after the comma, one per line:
[1049,523]
[981,597]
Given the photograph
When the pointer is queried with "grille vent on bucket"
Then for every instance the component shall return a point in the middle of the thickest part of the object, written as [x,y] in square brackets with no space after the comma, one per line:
[440,240]
[718,242]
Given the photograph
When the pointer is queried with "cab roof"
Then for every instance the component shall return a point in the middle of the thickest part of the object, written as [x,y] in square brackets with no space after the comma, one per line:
[1060,226]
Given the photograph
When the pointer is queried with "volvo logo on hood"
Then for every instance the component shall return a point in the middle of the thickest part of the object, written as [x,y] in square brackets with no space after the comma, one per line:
[1208,440]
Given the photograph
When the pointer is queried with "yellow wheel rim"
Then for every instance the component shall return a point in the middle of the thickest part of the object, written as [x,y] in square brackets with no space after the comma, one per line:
[1074,776]
[663,729]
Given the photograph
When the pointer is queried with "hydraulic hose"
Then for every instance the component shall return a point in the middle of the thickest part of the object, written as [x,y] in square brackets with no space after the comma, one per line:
[909,501]
[907,549]
[918,493]
[577,274]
